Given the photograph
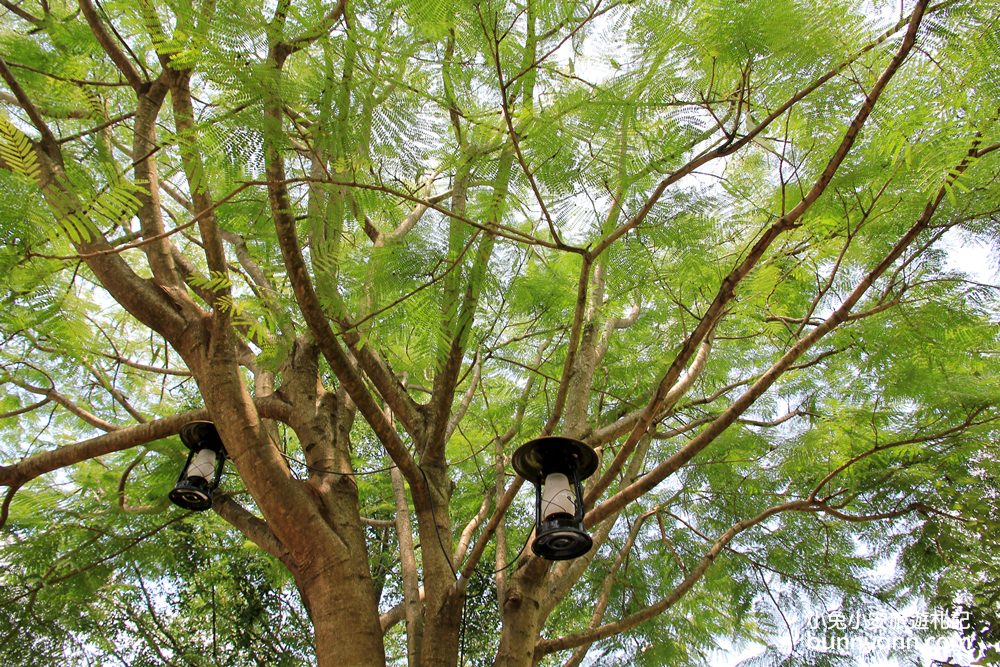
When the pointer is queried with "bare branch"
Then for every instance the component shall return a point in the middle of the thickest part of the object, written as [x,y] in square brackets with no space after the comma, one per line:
[576,331]
[325,25]
[123,485]
[120,59]
[194,170]
[630,421]
[178,372]
[459,412]
[412,604]
[52,394]
[97,128]
[28,408]
[115,394]
[56,77]
[938,435]
[545,647]
[731,147]
[7,500]
[839,316]
[466,538]
[412,218]
[16,9]
[604,597]
[49,143]
[498,513]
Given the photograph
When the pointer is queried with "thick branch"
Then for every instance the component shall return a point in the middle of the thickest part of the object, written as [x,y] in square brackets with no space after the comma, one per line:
[144,149]
[306,297]
[33,466]
[253,527]
[412,604]
[576,332]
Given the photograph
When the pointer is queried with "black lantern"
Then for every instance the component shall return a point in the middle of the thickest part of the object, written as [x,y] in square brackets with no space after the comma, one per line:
[203,469]
[557,466]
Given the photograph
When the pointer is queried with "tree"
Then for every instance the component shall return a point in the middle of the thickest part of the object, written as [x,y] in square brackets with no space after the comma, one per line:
[380,245]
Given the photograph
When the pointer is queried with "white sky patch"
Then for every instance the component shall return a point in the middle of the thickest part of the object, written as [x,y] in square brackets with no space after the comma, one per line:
[971,256]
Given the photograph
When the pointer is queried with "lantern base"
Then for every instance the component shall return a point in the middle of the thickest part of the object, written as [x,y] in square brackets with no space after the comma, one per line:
[192,494]
[561,539]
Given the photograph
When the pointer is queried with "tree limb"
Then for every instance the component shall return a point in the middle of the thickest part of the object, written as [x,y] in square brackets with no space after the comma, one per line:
[110,47]
[253,527]
[727,289]
[544,647]
[840,315]
[120,439]
[305,295]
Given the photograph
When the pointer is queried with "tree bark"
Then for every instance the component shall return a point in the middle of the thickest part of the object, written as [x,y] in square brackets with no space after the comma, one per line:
[344,613]
[522,608]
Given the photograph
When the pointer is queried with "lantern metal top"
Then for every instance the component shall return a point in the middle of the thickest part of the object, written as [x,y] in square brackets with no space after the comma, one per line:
[554,454]
[194,491]
[202,435]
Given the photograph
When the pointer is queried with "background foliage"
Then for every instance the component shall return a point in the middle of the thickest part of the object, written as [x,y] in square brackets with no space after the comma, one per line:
[457,171]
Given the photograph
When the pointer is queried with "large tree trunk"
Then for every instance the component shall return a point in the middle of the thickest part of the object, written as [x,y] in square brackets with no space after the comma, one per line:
[344,612]
[442,627]
[443,595]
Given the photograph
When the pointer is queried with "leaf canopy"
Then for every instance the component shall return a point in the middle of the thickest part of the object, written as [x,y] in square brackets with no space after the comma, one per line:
[730,245]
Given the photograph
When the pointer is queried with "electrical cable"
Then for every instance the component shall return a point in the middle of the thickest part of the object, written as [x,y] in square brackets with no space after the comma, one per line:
[358,473]
[437,531]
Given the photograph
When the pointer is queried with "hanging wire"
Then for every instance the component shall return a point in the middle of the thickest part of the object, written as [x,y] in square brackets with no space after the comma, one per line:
[356,473]
[461,631]
[437,531]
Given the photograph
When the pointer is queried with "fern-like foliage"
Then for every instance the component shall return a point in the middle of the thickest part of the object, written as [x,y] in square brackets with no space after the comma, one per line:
[16,150]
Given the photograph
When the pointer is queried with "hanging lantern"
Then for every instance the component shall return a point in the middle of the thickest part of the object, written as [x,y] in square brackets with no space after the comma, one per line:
[203,470]
[557,466]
